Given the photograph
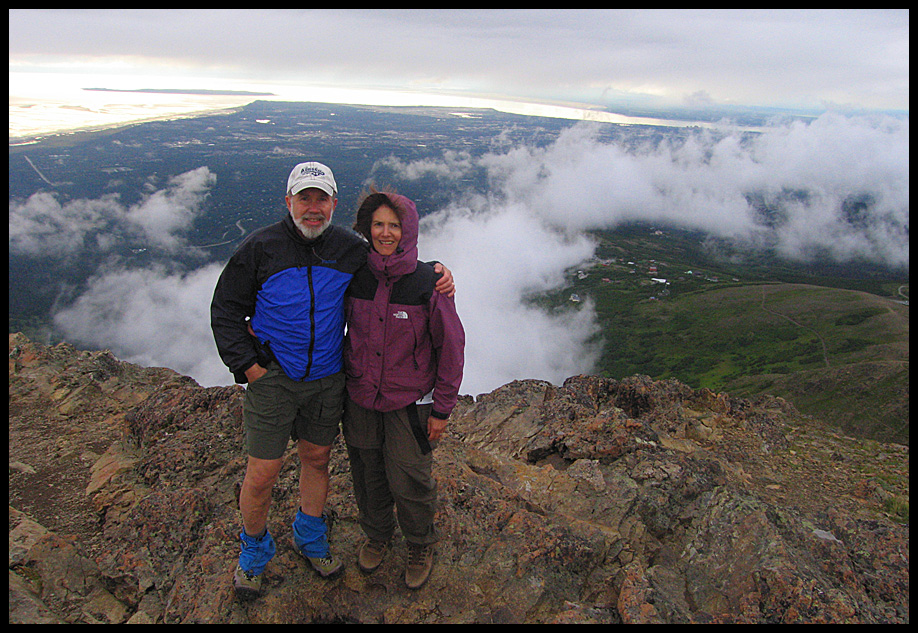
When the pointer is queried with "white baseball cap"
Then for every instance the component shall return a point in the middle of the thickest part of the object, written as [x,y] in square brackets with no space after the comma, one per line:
[311,174]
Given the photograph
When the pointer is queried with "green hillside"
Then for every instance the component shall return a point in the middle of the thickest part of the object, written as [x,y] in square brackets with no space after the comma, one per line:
[669,310]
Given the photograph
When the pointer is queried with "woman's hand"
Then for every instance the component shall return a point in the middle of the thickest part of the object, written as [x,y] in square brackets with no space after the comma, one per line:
[435,428]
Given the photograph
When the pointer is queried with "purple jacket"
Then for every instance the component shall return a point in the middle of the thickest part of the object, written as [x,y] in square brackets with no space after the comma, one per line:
[404,339]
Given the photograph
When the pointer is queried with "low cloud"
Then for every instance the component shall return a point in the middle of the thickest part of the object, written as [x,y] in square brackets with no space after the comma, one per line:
[44,226]
[836,186]
[151,317]
[165,215]
[501,256]
[805,175]
[786,188]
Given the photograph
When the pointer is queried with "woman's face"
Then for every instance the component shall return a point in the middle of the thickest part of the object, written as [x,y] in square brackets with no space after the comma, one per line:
[385,230]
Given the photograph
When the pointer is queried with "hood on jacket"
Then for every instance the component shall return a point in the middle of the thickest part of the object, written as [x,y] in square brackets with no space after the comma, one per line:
[405,258]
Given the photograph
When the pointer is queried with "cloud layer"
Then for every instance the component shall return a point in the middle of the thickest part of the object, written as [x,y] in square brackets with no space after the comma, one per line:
[519,238]
[806,175]
[152,317]
[528,230]
[42,226]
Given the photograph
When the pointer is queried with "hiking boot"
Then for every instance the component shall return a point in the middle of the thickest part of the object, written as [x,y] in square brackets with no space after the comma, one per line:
[326,566]
[420,562]
[310,539]
[370,555]
[247,585]
[255,554]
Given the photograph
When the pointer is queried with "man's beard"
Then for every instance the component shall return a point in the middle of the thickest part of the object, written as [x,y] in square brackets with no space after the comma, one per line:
[311,233]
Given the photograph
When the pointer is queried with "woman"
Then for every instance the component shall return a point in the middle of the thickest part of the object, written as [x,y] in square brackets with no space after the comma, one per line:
[404,354]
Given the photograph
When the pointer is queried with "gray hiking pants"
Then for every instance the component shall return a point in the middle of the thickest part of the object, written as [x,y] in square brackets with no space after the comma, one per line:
[392,474]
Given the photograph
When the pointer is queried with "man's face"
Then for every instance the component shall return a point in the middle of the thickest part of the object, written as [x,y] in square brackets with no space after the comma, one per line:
[312,211]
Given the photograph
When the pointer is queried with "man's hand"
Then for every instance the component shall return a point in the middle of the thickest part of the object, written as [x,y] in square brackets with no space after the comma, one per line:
[255,372]
[445,284]
[435,428]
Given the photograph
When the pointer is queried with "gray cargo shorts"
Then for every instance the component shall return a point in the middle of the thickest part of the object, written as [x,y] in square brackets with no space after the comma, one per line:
[277,409]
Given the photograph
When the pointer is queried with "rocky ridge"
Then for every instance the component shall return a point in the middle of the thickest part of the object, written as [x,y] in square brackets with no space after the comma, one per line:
[597,501]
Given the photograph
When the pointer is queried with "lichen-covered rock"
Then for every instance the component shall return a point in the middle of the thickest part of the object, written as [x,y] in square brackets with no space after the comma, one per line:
[597,501]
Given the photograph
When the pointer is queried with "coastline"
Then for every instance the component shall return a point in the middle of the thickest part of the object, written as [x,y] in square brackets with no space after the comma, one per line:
[37,116]
[24,131]
[38,137]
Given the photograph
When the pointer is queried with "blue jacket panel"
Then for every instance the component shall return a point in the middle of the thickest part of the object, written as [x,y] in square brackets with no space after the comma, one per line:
[303,300]
[291,291]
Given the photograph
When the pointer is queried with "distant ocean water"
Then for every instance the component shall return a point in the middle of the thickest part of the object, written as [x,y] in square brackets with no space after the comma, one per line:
[98,110]
[40,108]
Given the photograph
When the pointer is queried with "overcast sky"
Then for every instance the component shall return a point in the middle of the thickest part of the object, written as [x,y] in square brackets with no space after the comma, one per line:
[788,58]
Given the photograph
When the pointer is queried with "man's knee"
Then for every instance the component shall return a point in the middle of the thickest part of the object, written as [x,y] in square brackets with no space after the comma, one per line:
[261,474]
[313,456]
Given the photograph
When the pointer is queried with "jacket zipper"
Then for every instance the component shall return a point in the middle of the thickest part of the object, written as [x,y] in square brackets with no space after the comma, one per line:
[312,322]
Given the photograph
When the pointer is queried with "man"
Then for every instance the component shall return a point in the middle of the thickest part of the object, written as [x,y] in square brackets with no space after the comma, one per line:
[278,321]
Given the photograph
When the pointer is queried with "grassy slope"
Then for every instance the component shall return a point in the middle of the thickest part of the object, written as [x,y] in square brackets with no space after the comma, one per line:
[838,354]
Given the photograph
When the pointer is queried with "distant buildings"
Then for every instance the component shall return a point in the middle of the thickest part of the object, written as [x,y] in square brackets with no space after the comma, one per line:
[648,275]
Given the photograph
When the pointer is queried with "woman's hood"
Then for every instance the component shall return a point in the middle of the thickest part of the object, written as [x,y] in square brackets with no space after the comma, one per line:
[405,259]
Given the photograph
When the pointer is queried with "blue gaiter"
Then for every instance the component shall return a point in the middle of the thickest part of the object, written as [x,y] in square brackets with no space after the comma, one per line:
[310,535]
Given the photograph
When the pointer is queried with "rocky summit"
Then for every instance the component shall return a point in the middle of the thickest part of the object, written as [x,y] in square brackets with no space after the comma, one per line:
[597,501]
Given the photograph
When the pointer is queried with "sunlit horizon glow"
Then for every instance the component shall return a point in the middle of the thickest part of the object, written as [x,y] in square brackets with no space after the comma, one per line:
[48,103]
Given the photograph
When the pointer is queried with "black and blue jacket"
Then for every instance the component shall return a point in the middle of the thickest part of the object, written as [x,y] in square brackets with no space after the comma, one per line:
[291,291]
